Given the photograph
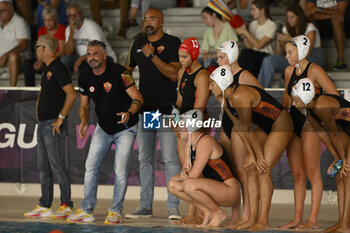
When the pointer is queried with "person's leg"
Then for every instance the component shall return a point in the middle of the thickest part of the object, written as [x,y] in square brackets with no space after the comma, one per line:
[29,72]
[296,163]
[171,161]
[270,65]
[275,144]
[95,7]
[124,15]
[344,225]
[311,146]
[239,153]
[124,142]
[210,194]
[338,33]
[99,146]
[13,63]
[46,177]
[146,140]
[57,159]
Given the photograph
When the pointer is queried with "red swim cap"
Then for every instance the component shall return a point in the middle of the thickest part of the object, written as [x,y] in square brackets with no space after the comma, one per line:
[191,46]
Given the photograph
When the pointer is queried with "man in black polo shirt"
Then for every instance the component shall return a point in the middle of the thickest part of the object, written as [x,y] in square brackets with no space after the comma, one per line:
[55,100]
[157,58]
[117,101]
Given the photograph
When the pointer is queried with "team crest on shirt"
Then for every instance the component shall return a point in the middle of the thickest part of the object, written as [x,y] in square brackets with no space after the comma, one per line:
[160,49]
[183,85]
[48,75]
[107,86]
[92,89]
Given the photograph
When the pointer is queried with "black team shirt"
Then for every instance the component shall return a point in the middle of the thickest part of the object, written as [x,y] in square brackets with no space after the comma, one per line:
[108,91]
[51,100]
[158,91]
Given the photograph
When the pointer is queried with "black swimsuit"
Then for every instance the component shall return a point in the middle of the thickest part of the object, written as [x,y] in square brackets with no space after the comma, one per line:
[227,124]
[265,113]
[298,118]
[187,90]
[216,169]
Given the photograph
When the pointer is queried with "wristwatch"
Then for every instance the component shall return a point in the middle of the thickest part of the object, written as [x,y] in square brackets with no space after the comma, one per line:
[61,116]
[151,56]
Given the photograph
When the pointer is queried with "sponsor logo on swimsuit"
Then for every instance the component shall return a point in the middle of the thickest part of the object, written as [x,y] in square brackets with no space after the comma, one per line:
[160,49]
[92,89]
[151,120]
[107,86]
[48,75]
[81,89]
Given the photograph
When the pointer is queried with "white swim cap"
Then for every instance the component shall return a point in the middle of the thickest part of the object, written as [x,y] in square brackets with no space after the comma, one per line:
[230,48]
[304,90]
[303,45]
[222,76]
[191,118]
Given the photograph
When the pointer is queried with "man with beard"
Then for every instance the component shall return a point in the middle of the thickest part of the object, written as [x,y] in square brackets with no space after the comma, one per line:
[157,58]
[117,101]
[79,32]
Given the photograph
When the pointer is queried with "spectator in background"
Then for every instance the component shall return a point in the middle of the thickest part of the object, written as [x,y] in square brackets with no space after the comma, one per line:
[79,32]
[124,5]
[144,5]
[258,38]
[14,40]
[297,24]
[243,7]
[218,32]
[330,17]
[59,5]
[51,27]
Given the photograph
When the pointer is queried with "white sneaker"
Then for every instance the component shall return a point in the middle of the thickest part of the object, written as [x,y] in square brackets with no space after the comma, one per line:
[62,212]
[80,216]
[39,212]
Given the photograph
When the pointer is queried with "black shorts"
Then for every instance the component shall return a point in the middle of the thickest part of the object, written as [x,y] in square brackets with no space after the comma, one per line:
[298,120]
[227,125]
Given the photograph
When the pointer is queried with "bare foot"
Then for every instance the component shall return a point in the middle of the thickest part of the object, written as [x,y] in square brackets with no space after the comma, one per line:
[259,227]
[332,228]
[235,224]
[194,220]
[232,222]
[245,225]
[182,220]
[341,229]
[217,218]
[308,226]
[291,225]
[207,216]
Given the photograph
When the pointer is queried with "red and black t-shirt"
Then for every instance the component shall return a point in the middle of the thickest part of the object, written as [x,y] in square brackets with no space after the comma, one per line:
[108,91]
[51,100]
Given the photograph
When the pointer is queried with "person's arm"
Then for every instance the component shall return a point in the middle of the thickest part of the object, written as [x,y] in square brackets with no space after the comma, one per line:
[202,90]
[286,100]
[78,62]
[311,35]
[203,152]
[281,41]
[84,114]
[67,107]
[169,70]
[321,78]
[242,101]
[250,41]
[179,97]
[60,48]
[69,47]
[136,104]
[315,13]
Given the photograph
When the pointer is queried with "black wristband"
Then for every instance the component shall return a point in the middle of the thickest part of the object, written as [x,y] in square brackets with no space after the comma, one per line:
[151,56]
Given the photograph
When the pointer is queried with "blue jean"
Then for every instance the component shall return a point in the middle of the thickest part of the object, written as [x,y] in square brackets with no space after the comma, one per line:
[100,144]
[276,63]
[146,139]
[52,160]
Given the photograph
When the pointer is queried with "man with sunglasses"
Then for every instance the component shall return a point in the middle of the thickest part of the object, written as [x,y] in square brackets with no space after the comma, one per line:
[55,101]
